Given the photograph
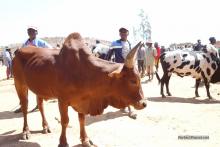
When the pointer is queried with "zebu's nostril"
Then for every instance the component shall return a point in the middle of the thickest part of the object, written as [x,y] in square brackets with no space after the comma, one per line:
[144,104]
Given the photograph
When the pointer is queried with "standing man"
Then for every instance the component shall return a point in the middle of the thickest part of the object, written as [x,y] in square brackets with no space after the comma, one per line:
[211,48]
[157,57]
[33,41]
[141,57]
[198,46]
[7,60]
[117,53]
[151,53]
[120,48]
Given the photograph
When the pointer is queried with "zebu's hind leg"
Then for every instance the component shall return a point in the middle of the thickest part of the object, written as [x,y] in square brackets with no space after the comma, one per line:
[196,87]
[46,128]
[167,85]
[22,92]
[163,80]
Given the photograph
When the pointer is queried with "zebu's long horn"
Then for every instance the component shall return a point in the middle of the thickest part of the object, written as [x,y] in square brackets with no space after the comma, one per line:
[129,61]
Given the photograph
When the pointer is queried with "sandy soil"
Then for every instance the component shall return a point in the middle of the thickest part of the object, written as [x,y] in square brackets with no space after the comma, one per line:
[158,125]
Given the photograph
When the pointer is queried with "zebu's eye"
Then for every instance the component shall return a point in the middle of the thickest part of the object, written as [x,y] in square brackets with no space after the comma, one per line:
[134,82]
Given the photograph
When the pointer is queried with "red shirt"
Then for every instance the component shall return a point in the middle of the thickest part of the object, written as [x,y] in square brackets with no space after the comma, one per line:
[158,53]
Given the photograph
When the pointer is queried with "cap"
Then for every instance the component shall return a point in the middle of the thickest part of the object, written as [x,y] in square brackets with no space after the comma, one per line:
[122,29]
[149,41]
[7,48]
[32,27]
[212,39]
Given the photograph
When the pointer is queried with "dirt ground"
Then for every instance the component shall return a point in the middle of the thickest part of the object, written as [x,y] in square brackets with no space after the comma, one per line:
[158,125]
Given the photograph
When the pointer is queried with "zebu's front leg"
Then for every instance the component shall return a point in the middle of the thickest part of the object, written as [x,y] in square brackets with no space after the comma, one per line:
[207,89]
[63,107]
[165,80]
[167,84]
[197,86]
[86,142]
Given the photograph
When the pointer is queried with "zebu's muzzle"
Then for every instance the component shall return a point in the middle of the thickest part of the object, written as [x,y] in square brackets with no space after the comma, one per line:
[140,105]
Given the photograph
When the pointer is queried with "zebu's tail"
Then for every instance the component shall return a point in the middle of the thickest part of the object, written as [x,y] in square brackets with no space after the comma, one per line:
[158,77]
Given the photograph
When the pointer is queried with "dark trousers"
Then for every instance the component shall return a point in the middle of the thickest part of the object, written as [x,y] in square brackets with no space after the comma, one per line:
[141,68]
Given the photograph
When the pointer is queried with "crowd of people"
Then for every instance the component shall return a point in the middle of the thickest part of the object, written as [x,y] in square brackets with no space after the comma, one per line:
[147,57]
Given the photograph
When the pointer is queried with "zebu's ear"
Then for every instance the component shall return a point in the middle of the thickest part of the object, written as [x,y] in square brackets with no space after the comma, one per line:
[116,73]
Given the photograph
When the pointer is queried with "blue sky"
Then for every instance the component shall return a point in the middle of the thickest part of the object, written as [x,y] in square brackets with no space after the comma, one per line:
[171,20]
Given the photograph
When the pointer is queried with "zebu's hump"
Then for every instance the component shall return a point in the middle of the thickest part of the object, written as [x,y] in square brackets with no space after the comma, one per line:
[75,36]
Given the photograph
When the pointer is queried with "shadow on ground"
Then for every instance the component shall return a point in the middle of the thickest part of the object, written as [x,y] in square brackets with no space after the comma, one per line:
[7,140]
[6,82]
[183,100]
[9,115]
[106,116]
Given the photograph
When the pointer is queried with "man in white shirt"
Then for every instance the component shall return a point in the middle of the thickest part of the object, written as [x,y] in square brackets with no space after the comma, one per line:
[120,49]
[32,32]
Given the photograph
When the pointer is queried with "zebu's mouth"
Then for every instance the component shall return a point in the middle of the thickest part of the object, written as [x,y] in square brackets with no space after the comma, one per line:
[140,105]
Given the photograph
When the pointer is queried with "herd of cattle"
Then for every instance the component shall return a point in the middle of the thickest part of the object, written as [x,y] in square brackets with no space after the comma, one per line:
[88,84]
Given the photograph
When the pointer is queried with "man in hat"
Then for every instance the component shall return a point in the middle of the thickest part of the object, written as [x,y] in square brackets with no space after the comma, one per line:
[33,40]
[32,32]
[151,53]
[118,51]
[120,48]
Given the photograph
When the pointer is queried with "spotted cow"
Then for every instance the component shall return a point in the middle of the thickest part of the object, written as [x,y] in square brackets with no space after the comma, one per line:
[201,65]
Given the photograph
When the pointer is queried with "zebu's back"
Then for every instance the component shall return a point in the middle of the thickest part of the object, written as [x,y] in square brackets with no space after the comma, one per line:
[36,70]
[200,65]
[185,63]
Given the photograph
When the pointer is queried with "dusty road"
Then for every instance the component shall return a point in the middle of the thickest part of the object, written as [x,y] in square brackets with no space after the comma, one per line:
[158,125]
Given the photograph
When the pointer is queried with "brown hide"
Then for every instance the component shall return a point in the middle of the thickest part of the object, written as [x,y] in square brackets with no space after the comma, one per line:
[77,77]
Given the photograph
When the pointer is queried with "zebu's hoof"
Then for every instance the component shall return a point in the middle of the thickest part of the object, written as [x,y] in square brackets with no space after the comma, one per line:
[46,130]
[169,94]
[63,145]
[210,97]
[163,96]
[132,115]
[88,143]
[197,94]
[26,135]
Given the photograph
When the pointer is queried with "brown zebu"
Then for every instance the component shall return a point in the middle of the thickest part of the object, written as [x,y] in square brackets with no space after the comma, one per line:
[78,79]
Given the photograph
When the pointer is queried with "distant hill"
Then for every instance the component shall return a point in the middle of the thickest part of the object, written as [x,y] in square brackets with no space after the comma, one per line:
[58,40]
